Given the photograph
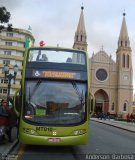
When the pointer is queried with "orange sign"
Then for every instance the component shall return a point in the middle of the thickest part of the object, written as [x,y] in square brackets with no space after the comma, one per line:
[56,74]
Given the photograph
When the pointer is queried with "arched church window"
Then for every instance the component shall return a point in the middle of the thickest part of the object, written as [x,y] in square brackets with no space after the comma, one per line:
[125,107]
[127,61]
[123,60]
[113,106]
[81,37]
[77,38]
[121,43]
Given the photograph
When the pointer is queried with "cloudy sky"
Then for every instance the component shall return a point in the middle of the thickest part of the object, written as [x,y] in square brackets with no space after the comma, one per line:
[55,21]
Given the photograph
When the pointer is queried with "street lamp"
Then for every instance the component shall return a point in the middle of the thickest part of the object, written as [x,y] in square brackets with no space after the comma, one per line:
[10,76]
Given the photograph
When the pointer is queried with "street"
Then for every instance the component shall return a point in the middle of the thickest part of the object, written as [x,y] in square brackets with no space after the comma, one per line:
[106,139]
[103,139]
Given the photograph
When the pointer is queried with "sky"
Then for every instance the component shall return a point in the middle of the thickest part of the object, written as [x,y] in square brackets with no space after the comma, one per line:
[55,22]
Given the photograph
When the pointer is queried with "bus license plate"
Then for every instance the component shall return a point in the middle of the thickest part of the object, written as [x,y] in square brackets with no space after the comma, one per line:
[53,139]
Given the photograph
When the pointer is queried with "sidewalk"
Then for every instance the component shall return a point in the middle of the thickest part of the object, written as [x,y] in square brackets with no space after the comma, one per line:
[119,124]
[7,147]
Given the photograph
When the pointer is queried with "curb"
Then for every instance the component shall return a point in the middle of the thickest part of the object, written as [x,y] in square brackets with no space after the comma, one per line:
[7,151]
[113,125]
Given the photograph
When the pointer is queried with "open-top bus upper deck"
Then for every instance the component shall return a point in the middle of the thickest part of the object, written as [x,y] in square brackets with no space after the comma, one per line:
[56,59]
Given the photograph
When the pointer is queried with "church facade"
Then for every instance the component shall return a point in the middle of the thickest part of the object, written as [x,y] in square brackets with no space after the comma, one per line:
[110,81]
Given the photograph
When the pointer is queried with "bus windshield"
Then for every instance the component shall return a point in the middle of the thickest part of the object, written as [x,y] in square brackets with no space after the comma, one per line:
[55,56]
[55,102]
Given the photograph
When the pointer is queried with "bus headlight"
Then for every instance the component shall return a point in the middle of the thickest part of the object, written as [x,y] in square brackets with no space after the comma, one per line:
[30,131]
[79,132]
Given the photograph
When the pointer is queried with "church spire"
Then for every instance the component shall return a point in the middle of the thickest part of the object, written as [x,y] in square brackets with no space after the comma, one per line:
[80,34]
[124,56]
[81,25]
[123,37]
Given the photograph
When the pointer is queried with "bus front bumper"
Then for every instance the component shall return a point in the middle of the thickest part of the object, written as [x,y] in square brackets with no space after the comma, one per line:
[46,140]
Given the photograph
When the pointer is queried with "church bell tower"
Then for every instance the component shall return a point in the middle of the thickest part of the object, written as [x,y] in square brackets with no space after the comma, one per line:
[124,69]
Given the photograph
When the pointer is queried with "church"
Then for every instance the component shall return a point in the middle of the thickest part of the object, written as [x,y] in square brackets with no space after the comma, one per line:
[110,81]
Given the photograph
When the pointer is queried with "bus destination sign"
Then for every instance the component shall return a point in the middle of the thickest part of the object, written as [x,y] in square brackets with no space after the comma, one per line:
[56,74]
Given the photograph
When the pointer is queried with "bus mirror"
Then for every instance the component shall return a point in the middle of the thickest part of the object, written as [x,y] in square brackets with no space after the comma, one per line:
[92,104]
[17,102]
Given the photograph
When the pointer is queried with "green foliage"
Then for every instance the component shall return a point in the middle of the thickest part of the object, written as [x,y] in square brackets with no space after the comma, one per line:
[9,28]
[4,15]
[4,18]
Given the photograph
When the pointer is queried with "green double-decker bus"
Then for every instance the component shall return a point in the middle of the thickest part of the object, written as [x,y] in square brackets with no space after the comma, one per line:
[53,104]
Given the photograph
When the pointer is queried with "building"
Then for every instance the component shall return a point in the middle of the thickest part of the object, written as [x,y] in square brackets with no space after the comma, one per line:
[111,81]
[12,53]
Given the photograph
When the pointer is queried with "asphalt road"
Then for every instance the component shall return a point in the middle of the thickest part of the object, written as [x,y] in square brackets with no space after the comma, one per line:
[103,139]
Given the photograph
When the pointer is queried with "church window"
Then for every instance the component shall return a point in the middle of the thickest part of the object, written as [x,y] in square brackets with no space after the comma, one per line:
[101,74]
[77,38]
[123,60]
[121,43]
[113,106]
[127,61]
[125,107]
[81,37]
[125,43]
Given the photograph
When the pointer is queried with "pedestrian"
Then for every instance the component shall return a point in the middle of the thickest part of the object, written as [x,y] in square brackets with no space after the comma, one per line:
[104,115]
[108,115]
[4,122]
[98,115]
[128,117]
[12,120]
[101,115]
[132,117]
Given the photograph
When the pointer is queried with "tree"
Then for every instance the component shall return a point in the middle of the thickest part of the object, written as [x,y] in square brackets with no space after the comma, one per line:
[4,18]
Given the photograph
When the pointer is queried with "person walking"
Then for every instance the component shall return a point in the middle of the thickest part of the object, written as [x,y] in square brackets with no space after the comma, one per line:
[12,120]
[132,117]
[4,122]
[108,115]
[128,117]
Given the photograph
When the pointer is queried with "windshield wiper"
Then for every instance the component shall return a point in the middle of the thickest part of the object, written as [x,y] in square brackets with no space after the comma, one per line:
[80,95]
[34,89]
